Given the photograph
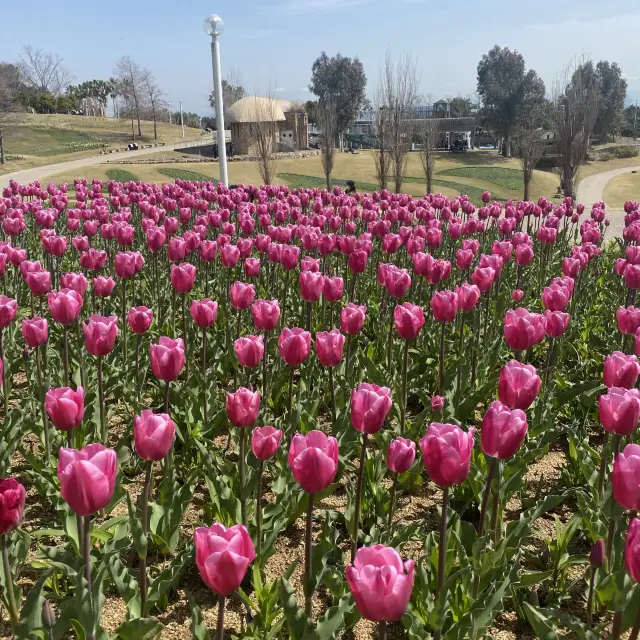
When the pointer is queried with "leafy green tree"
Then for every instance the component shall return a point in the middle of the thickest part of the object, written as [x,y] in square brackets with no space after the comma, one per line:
[613,92]
[510,95]
[461,107]
[339,81]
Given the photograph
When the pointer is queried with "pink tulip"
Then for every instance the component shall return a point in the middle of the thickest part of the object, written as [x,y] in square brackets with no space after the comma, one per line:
[167,358]
[65,407]
[75,281]
[519,385]
[87,477]
[370,405]
[266,314]
[524,255]
[621,370]
[380,582]
[12,500]
[332,288]
[628,319]
[35,331]
[313,459]
[153,434]
[294,345]
[330,347]
[243,407]
[140,319]
[397,282]
[409,320]
[39,282]
[352,318]
[183,277]
[464,259]
[265,442]
[517,295]
[229,255]
[290,257]
[223,556]
[126,264]
[311,286]
[242,295]
[444,305]
[556,323]
[100,334]
[632,550]
[446,451]
[437,404]
[468,296]
[620,410]
[522,329]
[358,261]
[251,267]
[8,310]
[65,306]
[625,478]
[503,431]
[204,312]
[103,287]
[401,454]
[249,350]
[555,298]
[483,278]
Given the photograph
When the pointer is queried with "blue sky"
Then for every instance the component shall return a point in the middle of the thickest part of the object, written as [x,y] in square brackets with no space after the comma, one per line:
[273,43]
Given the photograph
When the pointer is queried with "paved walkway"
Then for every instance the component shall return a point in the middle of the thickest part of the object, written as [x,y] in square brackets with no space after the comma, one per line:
[591,190]
[42,173]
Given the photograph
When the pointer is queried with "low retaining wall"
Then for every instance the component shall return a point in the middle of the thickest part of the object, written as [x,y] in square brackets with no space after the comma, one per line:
[196,160]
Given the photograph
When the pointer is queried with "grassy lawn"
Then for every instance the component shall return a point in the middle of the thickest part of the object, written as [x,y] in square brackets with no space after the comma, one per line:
[622,188]
[121,175]
[506,178]
[184,174]
[33,140]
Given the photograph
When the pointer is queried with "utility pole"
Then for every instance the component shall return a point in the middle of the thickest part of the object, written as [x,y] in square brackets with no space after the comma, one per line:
[169,113]
[181,121]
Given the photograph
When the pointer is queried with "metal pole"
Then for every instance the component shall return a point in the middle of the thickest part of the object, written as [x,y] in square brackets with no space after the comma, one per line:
[217,87]
[181,122]
[169,113]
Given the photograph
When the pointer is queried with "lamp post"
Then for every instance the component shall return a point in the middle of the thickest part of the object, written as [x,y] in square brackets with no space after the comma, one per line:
[214,26]
[181,121]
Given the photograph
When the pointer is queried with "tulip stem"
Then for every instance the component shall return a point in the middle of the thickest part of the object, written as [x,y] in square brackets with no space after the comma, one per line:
[483,516]
[460,354]
[259,511]
[103,422]
[442,552]
[138,341]
[592,582]
[145,529]
[309,316]
[45,417]
[332,390]
[442,332]
[124,317]
[290,407]
[392,506]
[186,337]
[603,465]
[390,344]
[220,627]
[5,393]
[308,558]
[356,516]
[8,581]
[264,367]
[243,496]
[166,397]
[382,630]
[86,551]
[348,361]
[617,625]
[65,382]
[204,376]
[83,377]
[496,527]
[636,628]
[612,521]
[405,367]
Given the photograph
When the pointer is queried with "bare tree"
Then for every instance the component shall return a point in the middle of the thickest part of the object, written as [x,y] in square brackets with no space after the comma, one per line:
[265,133]
[574,112]
[530,149]
[131,79]
[154,96]
[9,82]
[428,139]
[327,117]
[398,86]
[43,71]
[380,127]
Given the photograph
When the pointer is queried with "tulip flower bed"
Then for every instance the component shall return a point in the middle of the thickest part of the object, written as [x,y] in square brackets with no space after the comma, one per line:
[268,413]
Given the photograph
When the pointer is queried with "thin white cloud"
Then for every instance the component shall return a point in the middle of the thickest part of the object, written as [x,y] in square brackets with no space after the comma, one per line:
[318,6]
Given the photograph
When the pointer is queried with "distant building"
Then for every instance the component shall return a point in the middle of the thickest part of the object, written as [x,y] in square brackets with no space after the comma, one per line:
[285,124]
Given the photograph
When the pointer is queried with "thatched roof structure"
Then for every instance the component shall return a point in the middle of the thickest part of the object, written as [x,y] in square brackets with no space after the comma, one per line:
[256,109]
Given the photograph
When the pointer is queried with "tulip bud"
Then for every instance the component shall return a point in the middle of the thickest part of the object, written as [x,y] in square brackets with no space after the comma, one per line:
[597,555]
[48,615]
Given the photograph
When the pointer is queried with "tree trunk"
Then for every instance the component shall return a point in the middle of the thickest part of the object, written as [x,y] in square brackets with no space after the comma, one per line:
[155,130]
[133,130]
[2,160]
[526,187]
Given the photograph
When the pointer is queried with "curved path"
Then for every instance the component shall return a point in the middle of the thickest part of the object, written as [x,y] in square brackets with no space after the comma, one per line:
[591,190]
[25,176]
